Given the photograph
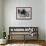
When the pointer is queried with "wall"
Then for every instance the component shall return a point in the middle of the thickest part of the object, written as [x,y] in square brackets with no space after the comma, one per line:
[45,19]
[38,15]
[0,18]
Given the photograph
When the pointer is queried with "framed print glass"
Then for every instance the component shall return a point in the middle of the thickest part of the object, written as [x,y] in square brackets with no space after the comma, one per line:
[23,13]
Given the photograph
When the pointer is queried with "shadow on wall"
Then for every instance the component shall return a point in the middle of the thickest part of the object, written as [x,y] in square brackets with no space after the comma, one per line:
[1,34]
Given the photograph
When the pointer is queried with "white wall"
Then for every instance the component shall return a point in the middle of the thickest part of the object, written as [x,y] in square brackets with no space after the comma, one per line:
[38,15]
[0,18]
[45,19]
[0,11]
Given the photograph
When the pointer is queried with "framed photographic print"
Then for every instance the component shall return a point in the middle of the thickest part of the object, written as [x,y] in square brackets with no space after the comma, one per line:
[23,13]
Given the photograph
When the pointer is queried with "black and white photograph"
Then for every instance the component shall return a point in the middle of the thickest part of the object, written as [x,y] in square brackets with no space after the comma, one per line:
[23,13]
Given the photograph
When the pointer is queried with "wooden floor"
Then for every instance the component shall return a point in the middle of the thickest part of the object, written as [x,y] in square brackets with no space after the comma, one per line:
[40,42]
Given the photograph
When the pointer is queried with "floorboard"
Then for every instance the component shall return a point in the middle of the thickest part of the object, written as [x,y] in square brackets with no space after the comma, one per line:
[25,43]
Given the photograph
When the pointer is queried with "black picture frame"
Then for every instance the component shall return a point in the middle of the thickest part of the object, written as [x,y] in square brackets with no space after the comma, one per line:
[23,13]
